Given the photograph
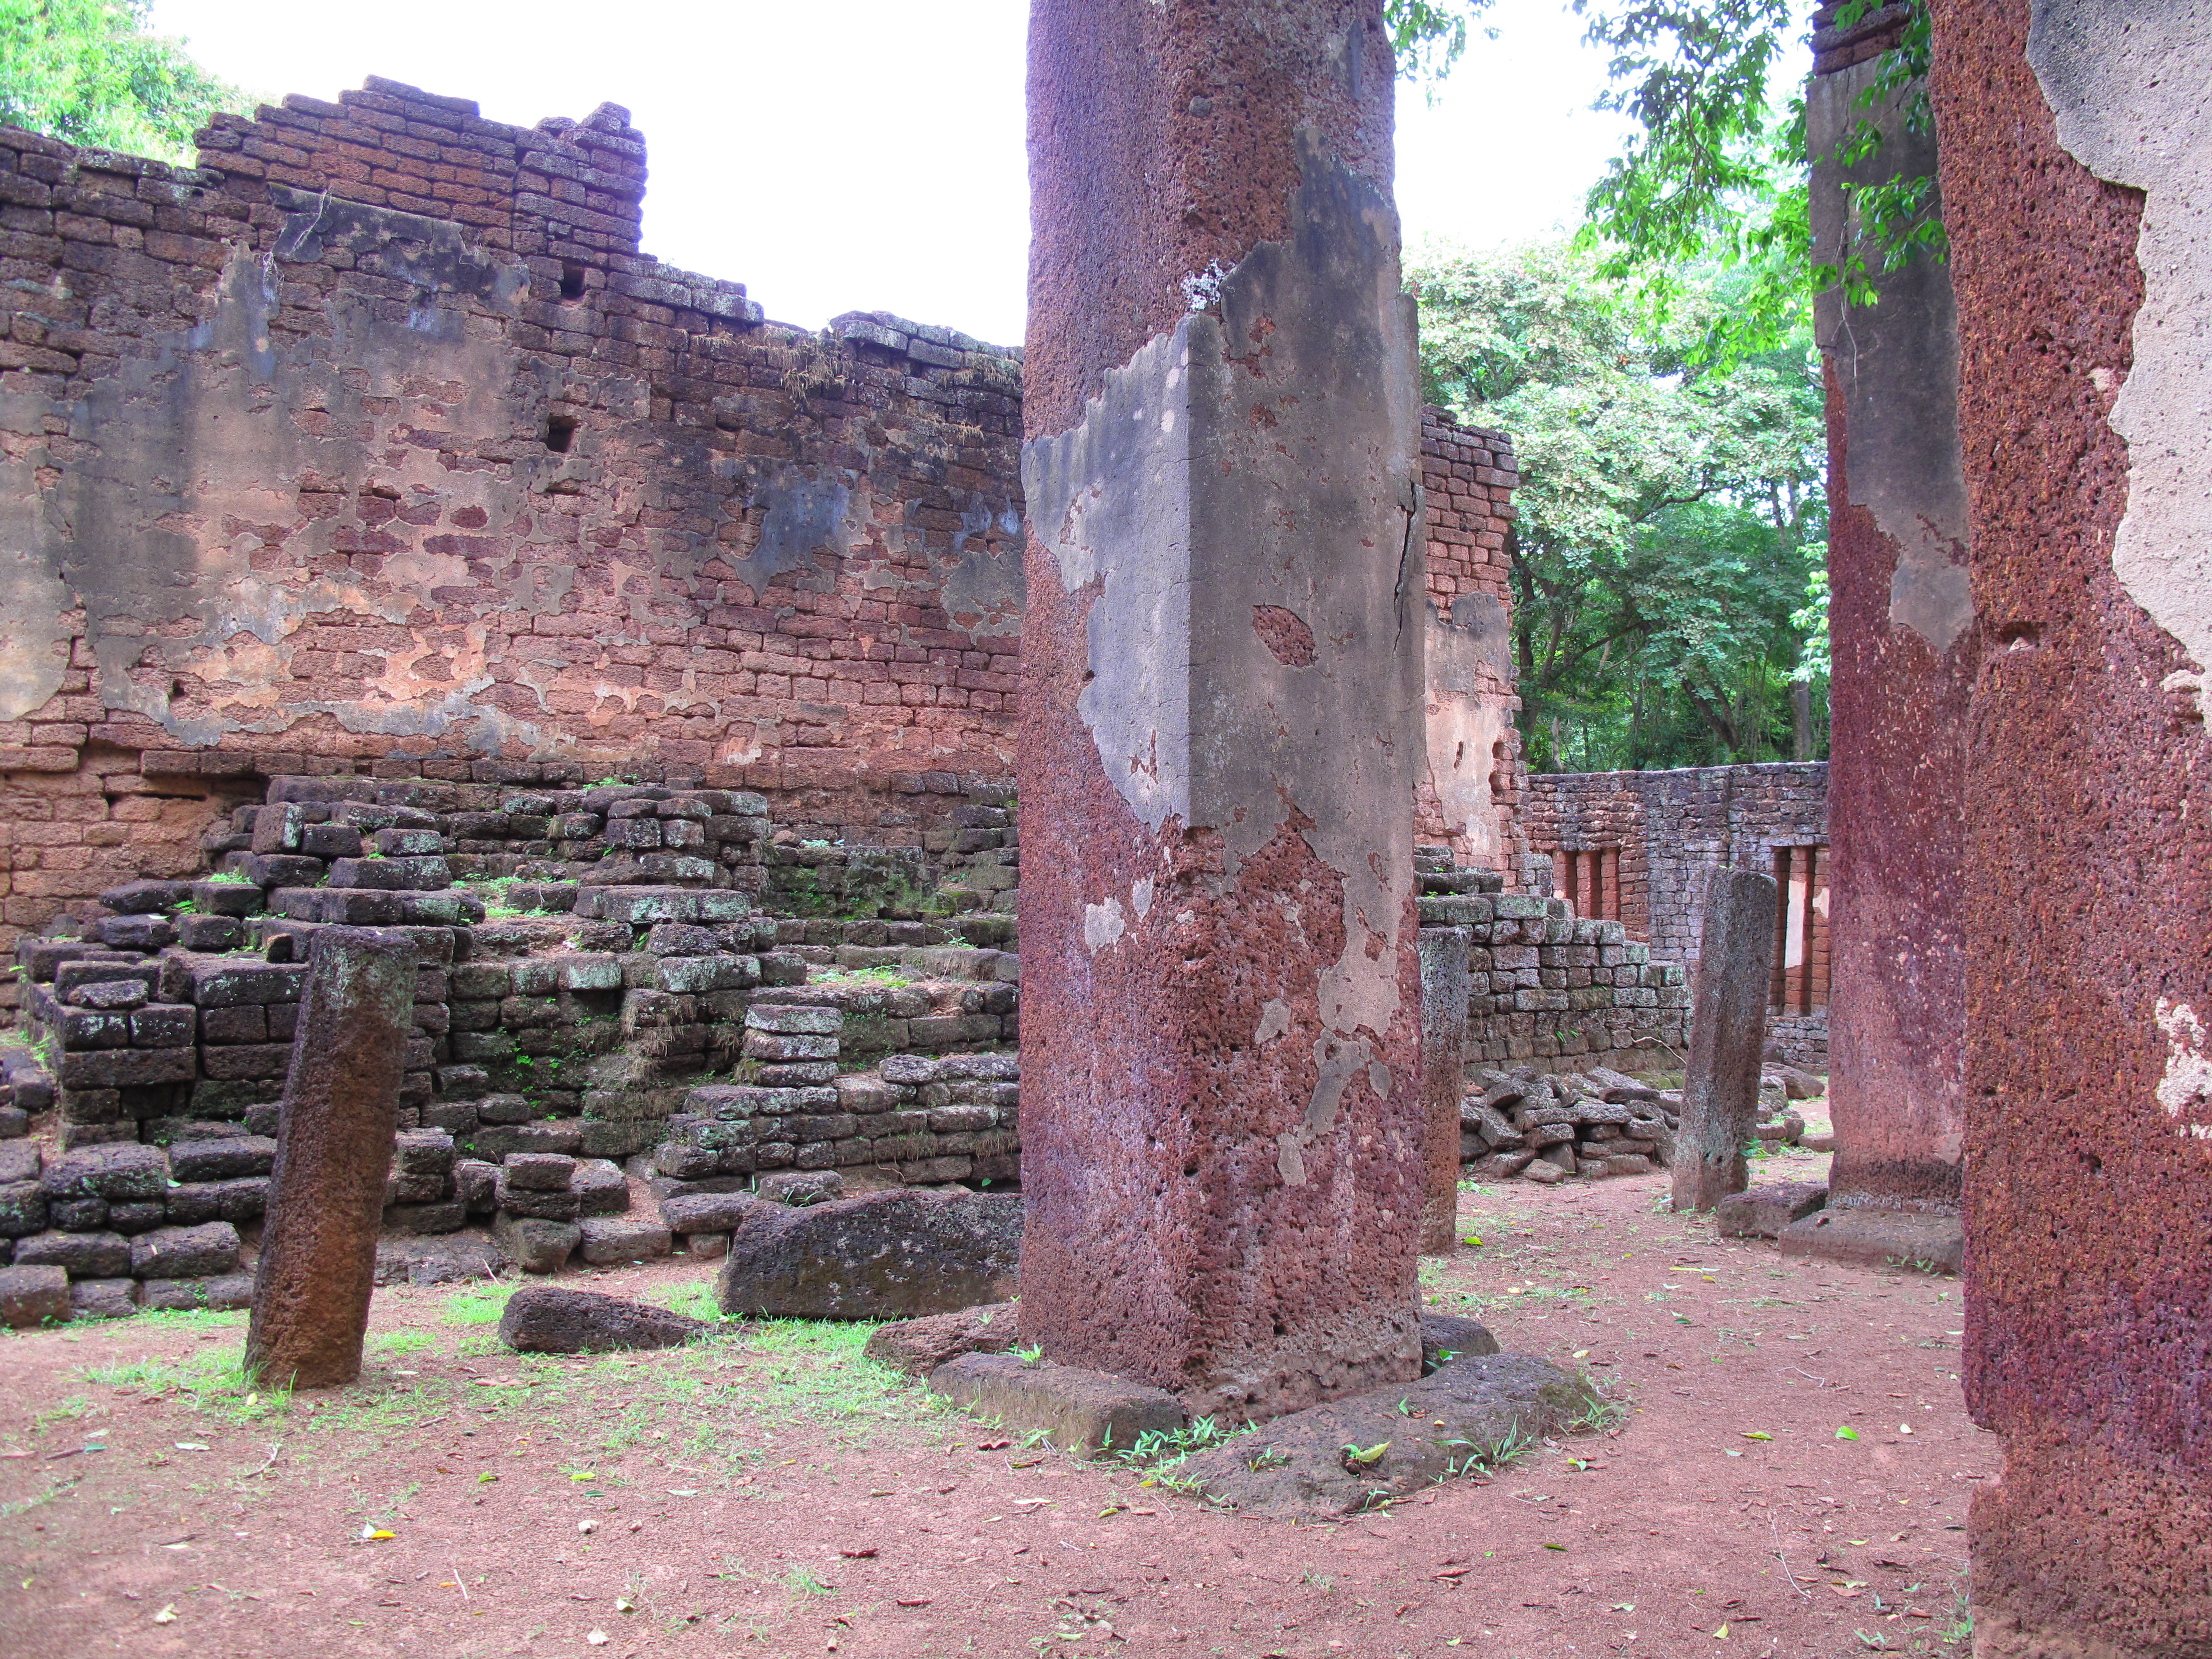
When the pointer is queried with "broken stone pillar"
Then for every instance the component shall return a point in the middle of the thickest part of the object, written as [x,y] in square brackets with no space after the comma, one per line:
[1444,992]
[1220,726]
[334,1141]
[1728,1036]
[1905,649]
[2074,179]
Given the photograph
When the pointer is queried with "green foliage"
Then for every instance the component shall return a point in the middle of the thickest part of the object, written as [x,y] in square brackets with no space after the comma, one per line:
[1719,169]
[89,72]
[1428,36]
[1670,517]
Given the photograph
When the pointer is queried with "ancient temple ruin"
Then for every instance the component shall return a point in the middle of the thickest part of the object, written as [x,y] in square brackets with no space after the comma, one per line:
[388,544]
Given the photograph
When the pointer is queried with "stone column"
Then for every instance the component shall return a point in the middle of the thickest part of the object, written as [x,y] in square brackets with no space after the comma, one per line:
[1904,649]
[1444,992]
[2076,176]
[1220,728]
[1728,1036]
[334,1145]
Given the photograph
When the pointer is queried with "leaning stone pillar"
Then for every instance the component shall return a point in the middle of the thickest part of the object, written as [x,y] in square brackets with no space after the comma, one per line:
[1444,992]
[1221,729]
[334,1145]
[2075,177]
[1728,1036]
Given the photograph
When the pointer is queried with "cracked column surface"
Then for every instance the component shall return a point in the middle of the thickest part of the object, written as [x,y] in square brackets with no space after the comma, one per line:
[1221,718]
[2077,176]
[334,1141]
[1905,649]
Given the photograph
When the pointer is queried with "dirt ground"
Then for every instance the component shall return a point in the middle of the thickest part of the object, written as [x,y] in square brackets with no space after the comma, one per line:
[1788,1475]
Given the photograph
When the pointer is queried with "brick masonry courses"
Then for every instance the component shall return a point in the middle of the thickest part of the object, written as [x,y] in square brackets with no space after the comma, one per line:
[760,558]
[1663,832]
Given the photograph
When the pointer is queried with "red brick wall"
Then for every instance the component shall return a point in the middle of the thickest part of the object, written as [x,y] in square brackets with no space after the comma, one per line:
[275,463]
[1468,479]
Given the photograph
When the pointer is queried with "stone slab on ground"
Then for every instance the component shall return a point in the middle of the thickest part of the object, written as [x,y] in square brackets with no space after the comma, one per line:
[104,1299]
[1465,1415]
[1447,1337]
[1879,1238]
[445,1260]
[881,1255]
[223,1293]
[1762,1211]
[1083,1411]
[33,1296]
[536,1246]
[708,1212]
[546,1319]
[610,1239]
[919,1346]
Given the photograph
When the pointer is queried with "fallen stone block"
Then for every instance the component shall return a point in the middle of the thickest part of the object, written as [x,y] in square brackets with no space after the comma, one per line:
[536,1246]
[1086,1412]
[610,1239]
[1351,1453]
[1863,1238]
[882,1256]
[206,1251]
[1447,1337]
[444,1260]
[708,1212]
[544,1319]
[799,1187]
[600,1186]
[33,1295]
[919,1346]
[222,1293]
[1764,1211]
[103,1298]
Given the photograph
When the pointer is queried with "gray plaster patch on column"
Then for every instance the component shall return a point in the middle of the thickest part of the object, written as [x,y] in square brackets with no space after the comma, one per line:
[1166,503]
[2131,82]
[1898,363]
[1119,481]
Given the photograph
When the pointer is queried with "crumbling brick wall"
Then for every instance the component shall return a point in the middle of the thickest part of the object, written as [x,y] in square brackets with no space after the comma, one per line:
[374,444]
[1477,779]
[1650,839]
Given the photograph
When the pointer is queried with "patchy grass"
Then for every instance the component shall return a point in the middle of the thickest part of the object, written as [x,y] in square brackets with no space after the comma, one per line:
[480,1304]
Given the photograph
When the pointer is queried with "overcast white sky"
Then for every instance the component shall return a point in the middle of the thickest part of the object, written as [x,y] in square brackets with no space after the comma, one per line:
[869,156]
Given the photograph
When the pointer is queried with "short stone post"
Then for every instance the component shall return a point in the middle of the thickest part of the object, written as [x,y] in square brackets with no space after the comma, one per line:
[1444,991]
[1728,1038]
[334,1143]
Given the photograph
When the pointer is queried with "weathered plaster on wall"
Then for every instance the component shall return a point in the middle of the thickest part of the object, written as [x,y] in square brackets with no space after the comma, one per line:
[2131,82]
[1469,651]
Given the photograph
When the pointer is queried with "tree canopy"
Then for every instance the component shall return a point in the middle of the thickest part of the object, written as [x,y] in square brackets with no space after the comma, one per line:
[89,71]
[1670,518]
[1719,168]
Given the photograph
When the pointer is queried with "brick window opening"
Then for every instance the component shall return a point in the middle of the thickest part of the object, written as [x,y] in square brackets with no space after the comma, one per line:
[1589,879]
[1801,930]
[572,281]
[560,433]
